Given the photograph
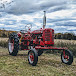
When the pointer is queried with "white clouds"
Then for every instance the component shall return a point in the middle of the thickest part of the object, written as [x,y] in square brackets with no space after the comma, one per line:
[60,14]
[21,7]
[1,25]
[71,28]
[28,6]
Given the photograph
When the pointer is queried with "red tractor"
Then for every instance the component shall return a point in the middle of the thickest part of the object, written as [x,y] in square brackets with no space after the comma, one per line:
[36,42]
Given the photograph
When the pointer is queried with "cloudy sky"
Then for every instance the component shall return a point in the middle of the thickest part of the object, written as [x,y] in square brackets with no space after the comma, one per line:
[61,14]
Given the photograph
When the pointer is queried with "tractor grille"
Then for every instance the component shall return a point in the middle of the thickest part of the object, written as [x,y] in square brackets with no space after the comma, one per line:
[47,35]
[52,36]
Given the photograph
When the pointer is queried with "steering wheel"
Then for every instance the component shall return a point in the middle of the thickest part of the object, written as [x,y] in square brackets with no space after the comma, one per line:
[28,26]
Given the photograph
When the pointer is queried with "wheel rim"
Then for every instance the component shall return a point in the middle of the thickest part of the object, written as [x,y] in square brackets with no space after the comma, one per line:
[11,46]
[65,58]
[31,58]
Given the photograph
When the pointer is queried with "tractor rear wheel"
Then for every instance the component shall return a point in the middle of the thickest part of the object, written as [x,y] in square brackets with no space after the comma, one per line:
[33,57]
[67,57]
[13,44]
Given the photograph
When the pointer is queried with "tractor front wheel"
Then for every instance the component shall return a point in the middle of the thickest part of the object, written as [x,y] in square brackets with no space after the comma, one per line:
[67,57]
[33,57]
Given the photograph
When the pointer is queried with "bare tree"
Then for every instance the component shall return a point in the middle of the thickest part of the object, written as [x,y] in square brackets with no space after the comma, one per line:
[3,4]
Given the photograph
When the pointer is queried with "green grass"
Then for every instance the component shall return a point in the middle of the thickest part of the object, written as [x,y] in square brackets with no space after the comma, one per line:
[48,65]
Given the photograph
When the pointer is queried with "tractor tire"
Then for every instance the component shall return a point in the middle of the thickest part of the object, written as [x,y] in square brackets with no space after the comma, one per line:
[33,57]
[68,59]
[13,44]
[40,52]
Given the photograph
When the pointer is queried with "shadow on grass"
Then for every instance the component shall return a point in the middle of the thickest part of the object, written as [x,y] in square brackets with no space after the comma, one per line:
[2,54]
[22,55]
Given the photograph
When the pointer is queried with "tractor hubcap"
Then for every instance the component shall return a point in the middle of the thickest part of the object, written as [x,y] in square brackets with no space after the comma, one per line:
[31,57]
[65,58]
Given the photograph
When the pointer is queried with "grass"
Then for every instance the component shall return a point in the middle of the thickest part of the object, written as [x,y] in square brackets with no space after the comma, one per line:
[4,42]
[70,44]
[48,65]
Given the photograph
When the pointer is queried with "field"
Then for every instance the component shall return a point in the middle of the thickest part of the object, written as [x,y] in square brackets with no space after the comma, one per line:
[49,64]
[70,44]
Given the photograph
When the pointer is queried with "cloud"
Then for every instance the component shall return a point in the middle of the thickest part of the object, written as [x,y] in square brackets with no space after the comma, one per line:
[58,8]
[21,7]
[27,6]
[61,14]
[67,23]
[49,20]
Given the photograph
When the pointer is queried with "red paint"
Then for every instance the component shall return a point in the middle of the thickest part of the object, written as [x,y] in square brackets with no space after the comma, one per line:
[46,48]
[31,57]
[65,56]
[40,39]
[19,34]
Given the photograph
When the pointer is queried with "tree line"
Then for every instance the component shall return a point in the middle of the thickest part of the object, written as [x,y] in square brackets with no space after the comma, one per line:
[5,33]
[68,36]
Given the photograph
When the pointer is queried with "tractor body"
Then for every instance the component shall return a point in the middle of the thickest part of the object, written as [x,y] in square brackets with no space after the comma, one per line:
[40,38]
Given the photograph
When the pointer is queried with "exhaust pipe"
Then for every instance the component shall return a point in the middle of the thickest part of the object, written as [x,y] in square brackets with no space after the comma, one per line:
[44,20]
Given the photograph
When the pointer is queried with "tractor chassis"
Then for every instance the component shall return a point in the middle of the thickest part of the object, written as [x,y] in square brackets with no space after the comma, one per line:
[49,48]
[66,55]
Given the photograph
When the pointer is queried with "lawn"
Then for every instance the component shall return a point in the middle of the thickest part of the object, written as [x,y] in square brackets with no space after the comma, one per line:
[48,65]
